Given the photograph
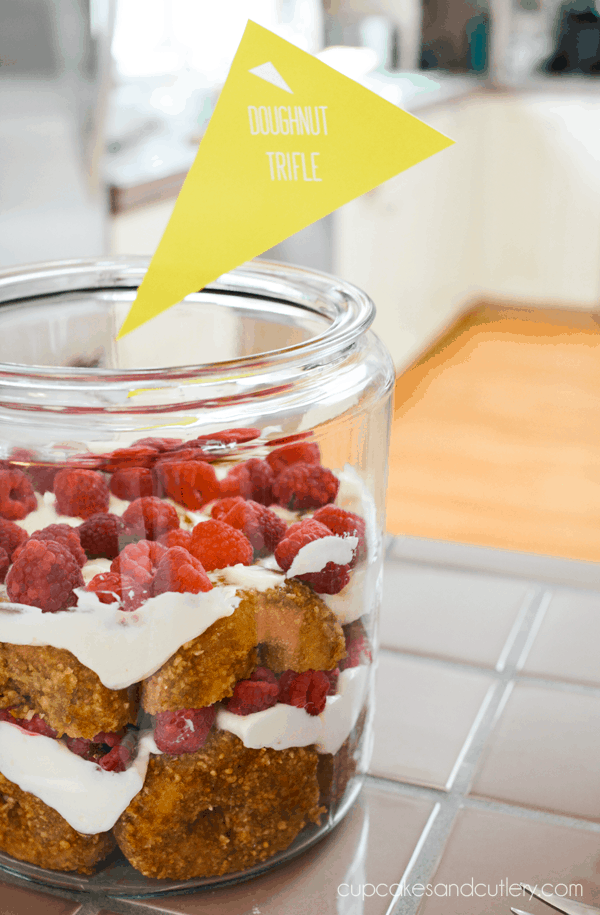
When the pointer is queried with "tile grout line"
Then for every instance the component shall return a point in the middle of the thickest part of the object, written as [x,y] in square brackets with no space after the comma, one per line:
[472,752]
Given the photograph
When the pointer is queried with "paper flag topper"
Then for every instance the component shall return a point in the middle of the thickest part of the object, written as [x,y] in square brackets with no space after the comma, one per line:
[289,141]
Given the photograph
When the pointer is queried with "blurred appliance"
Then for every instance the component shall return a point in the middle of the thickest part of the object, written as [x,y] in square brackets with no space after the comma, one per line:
[54,76]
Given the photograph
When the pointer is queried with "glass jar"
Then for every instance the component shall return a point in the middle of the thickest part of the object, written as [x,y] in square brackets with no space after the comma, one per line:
[186,660]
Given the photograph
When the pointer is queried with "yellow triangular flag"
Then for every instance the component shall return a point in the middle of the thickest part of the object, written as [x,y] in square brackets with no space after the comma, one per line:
[290,141]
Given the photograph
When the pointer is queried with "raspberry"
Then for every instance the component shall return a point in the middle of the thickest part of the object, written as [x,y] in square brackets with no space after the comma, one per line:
[41,475]
[17,498]
[132,483]
[251,696]
[303,486]
[159,445]
[333,677]
[35,725]
[44,576]
[176,538]
[263,674]
[111,587]
[229,436]
[11,536]
[330,580]
[115,760]
[307,690]
[218,545]
[126,458]
[4,564]
[191,483]
[139,561]
[343,523]
[252,480]
[357,647]
[179,571]
[80,746]
[80,493]
[184,731]
[304,452]
[262,527]
[297,536]
[61,533]
[101,535]
[110,738]
[149,517]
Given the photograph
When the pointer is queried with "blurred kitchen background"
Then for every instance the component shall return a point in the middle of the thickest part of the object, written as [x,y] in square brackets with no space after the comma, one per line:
[103,104]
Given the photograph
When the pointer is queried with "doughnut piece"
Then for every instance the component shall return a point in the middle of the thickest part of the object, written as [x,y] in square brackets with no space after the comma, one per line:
[70,697]
[222,809]
[297,630]
[31,831]
[206,669]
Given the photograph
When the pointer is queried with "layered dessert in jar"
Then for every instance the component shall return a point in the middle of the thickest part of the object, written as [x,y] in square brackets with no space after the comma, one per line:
[184,651]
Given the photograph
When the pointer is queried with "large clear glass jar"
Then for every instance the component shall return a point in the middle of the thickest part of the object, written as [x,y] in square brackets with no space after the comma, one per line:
[185,680]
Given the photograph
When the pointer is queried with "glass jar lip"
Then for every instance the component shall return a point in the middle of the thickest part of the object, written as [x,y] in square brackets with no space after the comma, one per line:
[349,310]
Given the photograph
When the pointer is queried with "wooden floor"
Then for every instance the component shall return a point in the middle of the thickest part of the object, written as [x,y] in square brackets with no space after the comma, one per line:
[496,435]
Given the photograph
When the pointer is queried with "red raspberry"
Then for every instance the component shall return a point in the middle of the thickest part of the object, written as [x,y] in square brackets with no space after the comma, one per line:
[34,725]
[44,576]
[101,535]
[160,445]
[149,517]
[184,731]
[252,480]
[132,483]
[263,528]
[179,571]
[357,648]
[190,483]
[61,533]
[297,536]
[251,696]
[116,760]
[176,538]
[333,677]
[332,578]
[229,436]
[343,523]
[218,545]
[297,452]
[307,690]
[80,746]
[139,561]
[17,498]
[11,536]
[110,738]
[80,493]
[263,674]
[111,587]
[4,564]
[304,486]
[137,456]
[41,475]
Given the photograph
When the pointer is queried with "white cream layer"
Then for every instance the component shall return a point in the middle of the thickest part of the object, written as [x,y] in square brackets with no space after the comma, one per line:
[284,726]
[121,647]
[88,798]
[46,513]
[315,555]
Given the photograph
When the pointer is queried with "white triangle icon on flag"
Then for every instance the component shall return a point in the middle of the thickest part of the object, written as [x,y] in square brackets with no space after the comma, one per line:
[271,75]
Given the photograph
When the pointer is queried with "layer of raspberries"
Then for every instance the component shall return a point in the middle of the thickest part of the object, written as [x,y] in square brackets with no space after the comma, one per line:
[149,552]
[263,689]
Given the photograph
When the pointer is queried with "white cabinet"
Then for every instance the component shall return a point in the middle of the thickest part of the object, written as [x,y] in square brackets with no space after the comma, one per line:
[512,211]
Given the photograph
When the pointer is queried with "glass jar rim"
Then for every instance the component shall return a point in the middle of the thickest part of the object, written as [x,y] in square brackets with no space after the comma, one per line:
[349,310]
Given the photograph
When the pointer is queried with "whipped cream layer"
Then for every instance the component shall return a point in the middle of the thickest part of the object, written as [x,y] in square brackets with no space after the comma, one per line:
[88,798]
[121,647]
[284,726]
[46,513]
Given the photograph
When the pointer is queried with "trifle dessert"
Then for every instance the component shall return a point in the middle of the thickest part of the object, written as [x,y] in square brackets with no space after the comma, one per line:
[184,651]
